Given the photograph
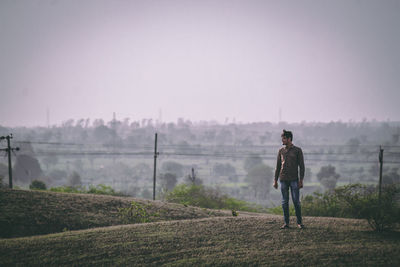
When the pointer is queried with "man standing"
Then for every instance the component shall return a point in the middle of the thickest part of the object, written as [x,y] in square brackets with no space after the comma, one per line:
[290,158]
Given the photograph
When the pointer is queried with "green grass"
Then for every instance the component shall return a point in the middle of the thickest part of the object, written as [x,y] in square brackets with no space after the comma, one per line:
[30,212]
[244,240]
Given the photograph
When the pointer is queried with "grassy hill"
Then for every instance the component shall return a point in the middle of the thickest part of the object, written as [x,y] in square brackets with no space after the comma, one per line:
[243,240]
[26,212]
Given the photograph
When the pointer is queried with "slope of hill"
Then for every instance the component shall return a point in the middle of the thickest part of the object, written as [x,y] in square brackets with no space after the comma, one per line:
[247,240]
[26,212]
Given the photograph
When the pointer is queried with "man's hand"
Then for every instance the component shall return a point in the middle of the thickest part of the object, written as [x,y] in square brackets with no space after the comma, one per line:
[275,185]
[300,183]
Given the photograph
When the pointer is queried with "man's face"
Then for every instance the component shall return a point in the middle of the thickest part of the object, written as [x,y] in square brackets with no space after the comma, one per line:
[284,140]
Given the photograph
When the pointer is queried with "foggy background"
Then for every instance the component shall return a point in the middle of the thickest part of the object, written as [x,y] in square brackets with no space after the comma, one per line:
[229,61]
[85,85]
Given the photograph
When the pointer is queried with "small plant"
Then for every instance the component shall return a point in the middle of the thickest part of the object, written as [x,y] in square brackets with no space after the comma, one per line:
[136,213]
[235,213]
[37,185]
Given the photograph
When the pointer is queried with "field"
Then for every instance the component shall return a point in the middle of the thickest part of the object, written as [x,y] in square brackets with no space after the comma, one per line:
[26,212]
[249,239]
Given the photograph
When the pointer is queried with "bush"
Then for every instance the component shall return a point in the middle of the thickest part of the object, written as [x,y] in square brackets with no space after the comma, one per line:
[363,202]
[67,189]
[278,210]
[37,185]
[201,196]
[355,201]
[327,205]
[136,213]
[100,189]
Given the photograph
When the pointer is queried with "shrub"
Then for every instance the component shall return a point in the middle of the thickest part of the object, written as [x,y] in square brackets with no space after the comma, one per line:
[363,202]
[201,196]
[100,189]
[136,213]
[355,201]
[278,210]
[37,185]
[67,189]
[327,205]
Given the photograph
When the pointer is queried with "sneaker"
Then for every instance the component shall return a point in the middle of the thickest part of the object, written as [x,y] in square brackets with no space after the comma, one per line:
[285,226]
[300,226]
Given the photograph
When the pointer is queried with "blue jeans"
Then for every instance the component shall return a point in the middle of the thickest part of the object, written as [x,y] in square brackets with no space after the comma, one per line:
[294,190]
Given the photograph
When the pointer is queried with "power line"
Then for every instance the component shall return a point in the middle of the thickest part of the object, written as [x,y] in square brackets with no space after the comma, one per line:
[211,155]
[325,146]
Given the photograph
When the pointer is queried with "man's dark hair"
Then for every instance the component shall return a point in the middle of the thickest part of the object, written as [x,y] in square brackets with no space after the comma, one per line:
[287,134]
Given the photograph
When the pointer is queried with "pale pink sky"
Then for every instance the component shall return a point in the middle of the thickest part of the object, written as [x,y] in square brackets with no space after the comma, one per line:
[201,60]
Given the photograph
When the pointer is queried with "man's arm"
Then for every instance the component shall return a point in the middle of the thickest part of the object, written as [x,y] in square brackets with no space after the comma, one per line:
[277,170]
[278,166]
[301,165]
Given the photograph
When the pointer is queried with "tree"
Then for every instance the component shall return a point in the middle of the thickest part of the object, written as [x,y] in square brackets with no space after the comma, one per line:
[3,170]
[56,176]
[146,194]
[26,168]
[142,171]
[259,179]
[251,161]
[309,173]
[50,160]
[224,137]
[36,184]
[391,177]
[103,134]
[353,145]
[328,177]
[168,181]
[75,180]
[172,167]
[1,181]
[224,169]
[192,179]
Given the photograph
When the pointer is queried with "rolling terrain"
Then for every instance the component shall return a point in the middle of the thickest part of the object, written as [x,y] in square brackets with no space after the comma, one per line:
[181,236]
[30,212]
[246,240]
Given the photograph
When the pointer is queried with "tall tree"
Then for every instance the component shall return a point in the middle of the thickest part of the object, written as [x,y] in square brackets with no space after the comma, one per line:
[260,178]
[328,177]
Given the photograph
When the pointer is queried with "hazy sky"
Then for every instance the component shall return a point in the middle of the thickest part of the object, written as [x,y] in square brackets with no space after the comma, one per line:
[200,60]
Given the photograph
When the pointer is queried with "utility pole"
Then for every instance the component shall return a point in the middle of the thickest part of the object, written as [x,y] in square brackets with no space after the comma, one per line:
[8,150]
[380,172]
[155,167]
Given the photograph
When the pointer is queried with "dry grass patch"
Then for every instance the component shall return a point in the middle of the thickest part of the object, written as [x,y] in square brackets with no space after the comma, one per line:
[247,240]
[26,212]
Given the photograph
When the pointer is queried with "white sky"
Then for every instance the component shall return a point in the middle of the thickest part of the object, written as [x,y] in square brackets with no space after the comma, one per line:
[200,60]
